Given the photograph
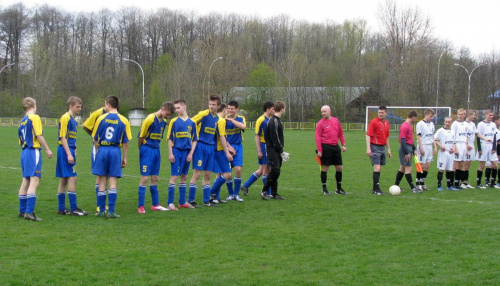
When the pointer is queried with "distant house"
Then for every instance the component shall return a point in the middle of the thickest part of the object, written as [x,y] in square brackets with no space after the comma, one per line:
[494,101]
[356,109]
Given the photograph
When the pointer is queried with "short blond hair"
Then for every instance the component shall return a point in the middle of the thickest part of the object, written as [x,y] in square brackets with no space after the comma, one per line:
[28,102]
[461,110]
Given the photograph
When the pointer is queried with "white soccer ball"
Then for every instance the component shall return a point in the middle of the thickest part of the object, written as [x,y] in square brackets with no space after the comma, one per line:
[395,190]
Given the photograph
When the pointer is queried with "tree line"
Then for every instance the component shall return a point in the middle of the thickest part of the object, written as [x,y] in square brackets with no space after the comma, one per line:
[57,54]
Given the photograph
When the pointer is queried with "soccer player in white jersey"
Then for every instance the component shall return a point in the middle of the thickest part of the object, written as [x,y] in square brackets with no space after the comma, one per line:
[444,140]
[486,149]
[460,128]
[425,140]
[471,137]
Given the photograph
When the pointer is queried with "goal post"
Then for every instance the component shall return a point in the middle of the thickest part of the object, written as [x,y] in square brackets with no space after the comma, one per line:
[396,115]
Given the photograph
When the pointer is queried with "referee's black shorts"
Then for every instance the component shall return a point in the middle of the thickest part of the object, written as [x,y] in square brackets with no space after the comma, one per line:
[331,155]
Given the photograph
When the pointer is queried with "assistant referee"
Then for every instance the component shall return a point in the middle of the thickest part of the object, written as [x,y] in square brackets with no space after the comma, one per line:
[328,133]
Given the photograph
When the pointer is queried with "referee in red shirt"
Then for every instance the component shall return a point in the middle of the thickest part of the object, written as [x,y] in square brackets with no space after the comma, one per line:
[376,142]
[328,133]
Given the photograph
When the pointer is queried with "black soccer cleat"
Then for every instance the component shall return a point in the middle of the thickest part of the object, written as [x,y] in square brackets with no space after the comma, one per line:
[244,190]
[340,192]
[326,192]
[378,193]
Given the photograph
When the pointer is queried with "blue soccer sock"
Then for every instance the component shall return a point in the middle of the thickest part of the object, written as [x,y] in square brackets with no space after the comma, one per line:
[141,192]
[22,203]
[229,185]
[237,186]
[72,201]
[61,201]
[96,195]
[206,193]
[182,193]
[251,180]
[192,192]
[171,193]
[112,194]
[30,203]
[155,197]
[217,184]
[101,201]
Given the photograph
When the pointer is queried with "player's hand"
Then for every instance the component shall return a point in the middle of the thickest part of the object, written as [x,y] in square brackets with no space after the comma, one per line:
[229,156]
[480,153]
[442,148]
[343,149]
[171,158]
[469,147]
[455,151]
[319,154]
[407,157]
[369,152]
[189,157]
[389,154]
[71,160]
[259,154]
[49,153]
[124,163]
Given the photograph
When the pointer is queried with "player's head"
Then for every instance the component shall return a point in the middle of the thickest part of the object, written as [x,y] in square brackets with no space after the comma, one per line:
[180,107]
[496,119]
[111,102]
[279,106]
[412,115]
[382,112]
[222,109]
[268,108]
[29,103]
[75,105]
[489,114]
[471,115]
[232,108]
[429,114]
[326,111]
[167,108]
[461,114]
[447,122]
[213,103]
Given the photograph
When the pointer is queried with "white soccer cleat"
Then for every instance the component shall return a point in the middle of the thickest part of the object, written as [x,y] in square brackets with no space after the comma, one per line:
[159,208]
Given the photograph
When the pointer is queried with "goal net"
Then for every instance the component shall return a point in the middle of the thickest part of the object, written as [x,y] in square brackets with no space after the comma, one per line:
[396,115]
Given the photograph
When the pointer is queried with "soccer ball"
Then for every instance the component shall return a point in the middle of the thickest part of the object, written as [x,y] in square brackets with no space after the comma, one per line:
[395,190]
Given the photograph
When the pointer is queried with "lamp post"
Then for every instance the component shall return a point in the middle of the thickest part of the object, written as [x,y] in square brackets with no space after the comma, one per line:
[437,84]
[209,69]
[6,66]
[470,75]
[129,60]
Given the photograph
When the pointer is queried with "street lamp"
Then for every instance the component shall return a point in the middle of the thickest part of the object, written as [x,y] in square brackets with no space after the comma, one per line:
[129,60]
[437,84]
[469,74]
[209,69]
[6,66]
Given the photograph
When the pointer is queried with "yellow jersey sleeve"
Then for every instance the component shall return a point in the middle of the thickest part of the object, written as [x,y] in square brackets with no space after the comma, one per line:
[91,121]
[197,118]
[145,125]
[63,125]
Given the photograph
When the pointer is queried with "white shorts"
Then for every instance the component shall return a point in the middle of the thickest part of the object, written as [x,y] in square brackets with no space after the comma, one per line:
[486,154]
[445,160]
[472,155]
[428,156]
[462,150]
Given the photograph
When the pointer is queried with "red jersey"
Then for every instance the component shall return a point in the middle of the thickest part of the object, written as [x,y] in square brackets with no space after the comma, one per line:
[406,133]
[378,131]
[329,131]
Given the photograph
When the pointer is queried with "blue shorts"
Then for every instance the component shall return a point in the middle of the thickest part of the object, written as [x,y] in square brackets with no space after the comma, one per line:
[92,156]
[263,161]
[108,162]
[63,168]
[221,164]
[203,157]
[31,163]
[238,158]
[180,166]
[149,159]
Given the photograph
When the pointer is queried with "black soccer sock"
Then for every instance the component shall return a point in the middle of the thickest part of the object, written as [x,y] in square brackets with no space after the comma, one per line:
[466,176]
[399,177]
[449,178]
[479,176]
[409,179]
[418,178]
[487,175]
[458,176]
[493,175]
[376,179]
[439,178]
[422,179]
[323,180]
[338,178]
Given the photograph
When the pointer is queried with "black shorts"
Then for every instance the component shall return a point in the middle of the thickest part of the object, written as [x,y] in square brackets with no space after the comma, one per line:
[332,155]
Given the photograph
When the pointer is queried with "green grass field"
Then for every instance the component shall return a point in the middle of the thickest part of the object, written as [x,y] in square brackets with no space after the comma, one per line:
[308,239]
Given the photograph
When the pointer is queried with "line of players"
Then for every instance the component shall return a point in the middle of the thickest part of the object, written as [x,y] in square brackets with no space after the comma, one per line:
[454,145]
[212,140]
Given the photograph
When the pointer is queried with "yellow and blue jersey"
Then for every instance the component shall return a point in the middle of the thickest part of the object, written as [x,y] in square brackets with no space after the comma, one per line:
[260,127]
[112,129]
[206,127]
[152,130]
[67,129]
[221,124]
[182,133]
[90,122]
[234,134]
[29,129]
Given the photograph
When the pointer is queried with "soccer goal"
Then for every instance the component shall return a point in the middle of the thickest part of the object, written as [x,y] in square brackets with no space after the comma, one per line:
[398,114]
